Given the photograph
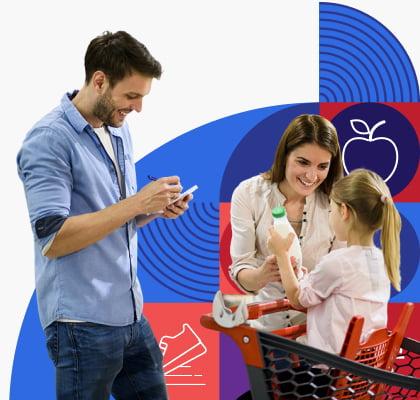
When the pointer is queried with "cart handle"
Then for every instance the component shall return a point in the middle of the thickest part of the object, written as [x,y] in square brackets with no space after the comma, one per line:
[257,310]
[246,337]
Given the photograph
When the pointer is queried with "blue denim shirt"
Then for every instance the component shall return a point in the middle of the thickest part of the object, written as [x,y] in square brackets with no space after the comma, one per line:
[66,172]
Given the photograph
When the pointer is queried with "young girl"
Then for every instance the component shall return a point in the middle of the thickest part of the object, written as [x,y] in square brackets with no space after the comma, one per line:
[354,280]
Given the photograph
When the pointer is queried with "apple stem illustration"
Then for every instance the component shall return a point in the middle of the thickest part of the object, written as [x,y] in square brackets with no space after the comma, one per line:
[377,125]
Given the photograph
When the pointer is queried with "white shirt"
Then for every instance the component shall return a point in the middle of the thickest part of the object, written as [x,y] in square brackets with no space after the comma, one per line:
[251,206]
[347,282]
[105,139]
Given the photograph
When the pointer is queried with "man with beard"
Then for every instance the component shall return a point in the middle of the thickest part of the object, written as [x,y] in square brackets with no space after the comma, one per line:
[77,168]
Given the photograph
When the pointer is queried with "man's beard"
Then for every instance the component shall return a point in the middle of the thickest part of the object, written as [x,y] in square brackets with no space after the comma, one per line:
[104,109]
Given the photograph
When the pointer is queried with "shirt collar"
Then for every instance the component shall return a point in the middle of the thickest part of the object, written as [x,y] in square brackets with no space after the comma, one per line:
[114,131]
[73,115]
[76,119]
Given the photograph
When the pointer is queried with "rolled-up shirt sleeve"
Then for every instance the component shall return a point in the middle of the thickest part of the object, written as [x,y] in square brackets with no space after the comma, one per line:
[318,284]
[243,243]
[45,169]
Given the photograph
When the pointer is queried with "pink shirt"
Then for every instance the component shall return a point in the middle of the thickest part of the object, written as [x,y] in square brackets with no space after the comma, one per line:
[347,282]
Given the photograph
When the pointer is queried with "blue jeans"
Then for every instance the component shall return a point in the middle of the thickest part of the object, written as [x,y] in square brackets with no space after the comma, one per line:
[92,361]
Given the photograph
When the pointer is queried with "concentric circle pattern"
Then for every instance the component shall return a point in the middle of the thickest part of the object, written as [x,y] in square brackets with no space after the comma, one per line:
[183,255]
[360,60]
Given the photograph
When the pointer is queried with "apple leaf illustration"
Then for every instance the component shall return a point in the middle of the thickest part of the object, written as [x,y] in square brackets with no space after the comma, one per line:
[355,122]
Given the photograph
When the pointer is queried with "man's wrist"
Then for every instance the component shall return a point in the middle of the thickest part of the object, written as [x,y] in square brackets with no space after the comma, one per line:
[134,206]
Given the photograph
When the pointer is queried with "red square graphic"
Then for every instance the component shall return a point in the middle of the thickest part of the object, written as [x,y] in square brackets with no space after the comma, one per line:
[394,311]
[191,352]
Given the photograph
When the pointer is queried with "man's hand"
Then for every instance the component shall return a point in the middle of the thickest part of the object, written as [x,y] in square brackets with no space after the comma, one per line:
[157,195]
[80,231]
[178,208]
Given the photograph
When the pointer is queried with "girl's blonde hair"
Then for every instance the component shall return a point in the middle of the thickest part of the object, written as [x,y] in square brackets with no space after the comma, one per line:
[370,201]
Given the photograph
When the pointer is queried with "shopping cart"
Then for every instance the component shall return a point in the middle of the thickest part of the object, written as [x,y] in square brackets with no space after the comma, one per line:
[386,366]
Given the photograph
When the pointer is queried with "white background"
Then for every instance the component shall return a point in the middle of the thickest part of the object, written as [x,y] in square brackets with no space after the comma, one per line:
[219,58]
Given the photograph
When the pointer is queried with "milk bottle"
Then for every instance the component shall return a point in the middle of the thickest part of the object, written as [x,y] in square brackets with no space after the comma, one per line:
[282,226]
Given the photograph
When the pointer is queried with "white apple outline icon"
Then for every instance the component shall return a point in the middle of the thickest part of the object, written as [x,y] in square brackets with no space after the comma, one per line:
[370,138]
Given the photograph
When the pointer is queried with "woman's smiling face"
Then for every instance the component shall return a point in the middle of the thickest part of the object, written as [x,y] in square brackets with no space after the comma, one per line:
[307,167]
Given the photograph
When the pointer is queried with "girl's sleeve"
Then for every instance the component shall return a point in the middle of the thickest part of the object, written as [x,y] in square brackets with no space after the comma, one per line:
[320,283]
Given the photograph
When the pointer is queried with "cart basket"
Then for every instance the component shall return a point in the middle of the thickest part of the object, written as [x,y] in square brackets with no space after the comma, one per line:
[282,368]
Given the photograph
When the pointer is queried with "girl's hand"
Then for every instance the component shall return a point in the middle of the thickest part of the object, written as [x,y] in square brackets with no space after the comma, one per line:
[277,244]
[299,272]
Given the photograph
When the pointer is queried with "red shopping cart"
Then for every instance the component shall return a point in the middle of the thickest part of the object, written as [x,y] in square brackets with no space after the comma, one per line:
[385,366]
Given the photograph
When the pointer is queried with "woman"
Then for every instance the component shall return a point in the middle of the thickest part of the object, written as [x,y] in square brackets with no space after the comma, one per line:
[306,164]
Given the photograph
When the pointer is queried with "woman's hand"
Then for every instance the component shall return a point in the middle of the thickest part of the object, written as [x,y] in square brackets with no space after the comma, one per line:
[277,244]
[253,280]
[268,272]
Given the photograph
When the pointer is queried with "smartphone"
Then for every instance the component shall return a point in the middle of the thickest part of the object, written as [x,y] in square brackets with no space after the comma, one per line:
[184,194]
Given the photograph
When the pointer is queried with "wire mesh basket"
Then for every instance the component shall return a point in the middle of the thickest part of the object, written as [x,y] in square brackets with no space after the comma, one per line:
[292,370]
[386,366]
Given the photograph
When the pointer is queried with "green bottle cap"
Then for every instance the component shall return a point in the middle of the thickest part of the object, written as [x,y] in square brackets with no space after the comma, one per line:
[278,212]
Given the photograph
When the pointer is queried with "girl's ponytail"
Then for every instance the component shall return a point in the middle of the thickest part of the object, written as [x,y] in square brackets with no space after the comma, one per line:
[390,241]
[371,203]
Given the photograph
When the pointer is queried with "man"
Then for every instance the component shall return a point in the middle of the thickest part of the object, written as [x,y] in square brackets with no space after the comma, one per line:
[77,168]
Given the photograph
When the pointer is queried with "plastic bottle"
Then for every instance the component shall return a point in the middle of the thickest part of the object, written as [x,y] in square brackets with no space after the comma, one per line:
[282,226]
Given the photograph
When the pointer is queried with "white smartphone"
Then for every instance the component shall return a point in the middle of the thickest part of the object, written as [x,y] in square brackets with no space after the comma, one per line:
[184,194]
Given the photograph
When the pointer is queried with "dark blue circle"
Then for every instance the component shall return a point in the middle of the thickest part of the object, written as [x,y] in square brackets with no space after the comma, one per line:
[409,253]
[379,154]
